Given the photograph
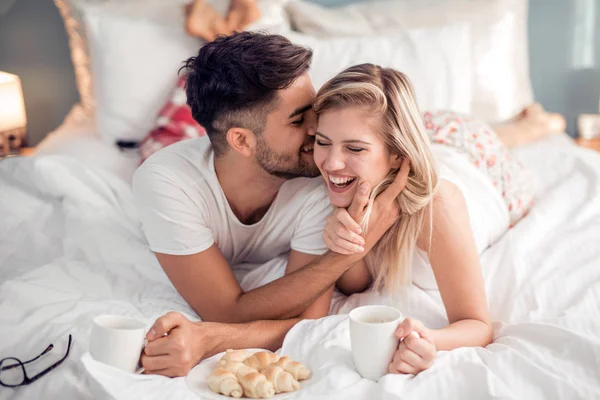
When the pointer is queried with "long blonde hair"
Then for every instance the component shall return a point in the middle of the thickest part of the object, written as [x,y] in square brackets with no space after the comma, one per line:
[389,96]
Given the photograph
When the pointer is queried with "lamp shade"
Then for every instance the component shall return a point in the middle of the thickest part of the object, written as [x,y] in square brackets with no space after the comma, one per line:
[12,106]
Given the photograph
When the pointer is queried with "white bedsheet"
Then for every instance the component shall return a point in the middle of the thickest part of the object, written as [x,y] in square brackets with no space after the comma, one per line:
[77,137]
[71,247]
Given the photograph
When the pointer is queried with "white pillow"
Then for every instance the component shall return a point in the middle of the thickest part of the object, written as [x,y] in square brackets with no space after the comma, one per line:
[137,48]
[273,18]
[500,64]
[436,60]
[136,54]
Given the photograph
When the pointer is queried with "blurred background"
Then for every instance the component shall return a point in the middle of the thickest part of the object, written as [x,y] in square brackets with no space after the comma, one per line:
[564,49]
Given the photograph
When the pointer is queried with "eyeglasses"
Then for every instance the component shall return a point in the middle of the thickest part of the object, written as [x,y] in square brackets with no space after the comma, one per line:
[12,370]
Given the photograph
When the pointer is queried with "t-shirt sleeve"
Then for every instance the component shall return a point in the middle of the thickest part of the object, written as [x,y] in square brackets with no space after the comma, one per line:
[173,215]
[308,235]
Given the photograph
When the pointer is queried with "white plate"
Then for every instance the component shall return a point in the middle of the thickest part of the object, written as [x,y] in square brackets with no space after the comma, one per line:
[197,379]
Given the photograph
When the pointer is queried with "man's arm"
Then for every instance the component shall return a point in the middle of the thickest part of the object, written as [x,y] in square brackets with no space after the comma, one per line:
[188,343]
[320,308]
[206,281]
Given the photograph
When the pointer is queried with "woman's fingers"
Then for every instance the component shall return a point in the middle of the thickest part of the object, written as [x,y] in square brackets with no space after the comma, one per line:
[413,359]
[421,347]
[407,362]
[410,325]
[402,367]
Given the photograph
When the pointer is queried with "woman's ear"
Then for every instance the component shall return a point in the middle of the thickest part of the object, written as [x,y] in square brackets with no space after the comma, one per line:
[242,141]
[395,161]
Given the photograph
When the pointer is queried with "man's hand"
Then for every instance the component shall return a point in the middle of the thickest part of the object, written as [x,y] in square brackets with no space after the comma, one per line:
[176,345]
[342,232]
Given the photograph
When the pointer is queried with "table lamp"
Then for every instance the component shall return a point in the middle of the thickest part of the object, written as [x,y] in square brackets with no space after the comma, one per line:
[13,122]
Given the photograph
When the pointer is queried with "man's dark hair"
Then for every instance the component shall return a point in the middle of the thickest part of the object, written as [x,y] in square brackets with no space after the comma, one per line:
[233,81]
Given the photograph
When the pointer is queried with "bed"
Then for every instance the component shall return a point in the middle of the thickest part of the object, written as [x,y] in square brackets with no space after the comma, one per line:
[71,248]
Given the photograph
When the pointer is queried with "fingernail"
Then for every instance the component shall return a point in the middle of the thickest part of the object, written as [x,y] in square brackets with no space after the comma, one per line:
[364,188]
[400,332]
[152,334]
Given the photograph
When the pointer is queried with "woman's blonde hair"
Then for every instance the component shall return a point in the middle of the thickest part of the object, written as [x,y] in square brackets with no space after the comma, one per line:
[389,96]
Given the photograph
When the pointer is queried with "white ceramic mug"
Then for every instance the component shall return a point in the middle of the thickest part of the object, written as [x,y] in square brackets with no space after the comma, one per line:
[118,341]
[372,339]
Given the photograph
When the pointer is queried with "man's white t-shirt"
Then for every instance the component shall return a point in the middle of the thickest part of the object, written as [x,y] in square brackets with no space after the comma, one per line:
[184,210]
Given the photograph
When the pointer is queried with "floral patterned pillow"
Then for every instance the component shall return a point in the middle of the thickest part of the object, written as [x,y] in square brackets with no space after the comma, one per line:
[174,123]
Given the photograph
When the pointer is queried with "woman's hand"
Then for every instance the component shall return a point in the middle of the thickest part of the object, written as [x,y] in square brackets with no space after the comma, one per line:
[416,351]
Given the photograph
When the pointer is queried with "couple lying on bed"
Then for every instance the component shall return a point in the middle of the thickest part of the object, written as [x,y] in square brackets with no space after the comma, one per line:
[383,205]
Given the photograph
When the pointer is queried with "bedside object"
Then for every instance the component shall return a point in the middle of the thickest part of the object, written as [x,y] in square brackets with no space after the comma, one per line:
[22,152]
[13,122]
[588,126]
[26,151]
[593,144]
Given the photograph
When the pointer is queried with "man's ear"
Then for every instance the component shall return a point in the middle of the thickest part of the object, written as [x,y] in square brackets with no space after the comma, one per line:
[242,140]
[395,161]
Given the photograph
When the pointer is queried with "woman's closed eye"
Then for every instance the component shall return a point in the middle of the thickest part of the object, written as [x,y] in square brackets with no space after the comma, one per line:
[355,149]
[352,149]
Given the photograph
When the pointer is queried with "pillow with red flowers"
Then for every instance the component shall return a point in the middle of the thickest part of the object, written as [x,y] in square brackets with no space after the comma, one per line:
[174,123]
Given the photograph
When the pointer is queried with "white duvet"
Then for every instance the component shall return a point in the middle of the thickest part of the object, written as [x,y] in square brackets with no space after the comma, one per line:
[71,247]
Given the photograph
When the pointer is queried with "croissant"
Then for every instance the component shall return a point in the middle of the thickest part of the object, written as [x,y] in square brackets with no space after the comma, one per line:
[234,355]
[298,370]
[261,360]
[225,382]
[232,366]
[254,383]
[282,381]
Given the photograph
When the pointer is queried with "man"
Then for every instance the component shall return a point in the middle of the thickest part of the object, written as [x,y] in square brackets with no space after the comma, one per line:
[246,193]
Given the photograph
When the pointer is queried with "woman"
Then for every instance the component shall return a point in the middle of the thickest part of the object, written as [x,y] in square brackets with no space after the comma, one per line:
[369,124]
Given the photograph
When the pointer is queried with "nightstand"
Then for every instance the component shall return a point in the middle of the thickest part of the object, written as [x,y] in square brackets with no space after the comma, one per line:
[593,144]
[23,152]
[26,151]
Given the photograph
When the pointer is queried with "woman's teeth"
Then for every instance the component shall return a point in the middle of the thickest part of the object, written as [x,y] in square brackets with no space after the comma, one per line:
[341,182]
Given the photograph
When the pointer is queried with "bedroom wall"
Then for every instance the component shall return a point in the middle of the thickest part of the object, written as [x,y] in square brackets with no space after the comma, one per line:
[564,41]
[33,45]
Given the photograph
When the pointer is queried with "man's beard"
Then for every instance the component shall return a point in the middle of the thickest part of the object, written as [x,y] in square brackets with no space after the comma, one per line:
[282,165]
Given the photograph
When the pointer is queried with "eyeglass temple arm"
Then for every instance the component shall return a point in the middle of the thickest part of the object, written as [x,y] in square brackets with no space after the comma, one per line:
[56,364]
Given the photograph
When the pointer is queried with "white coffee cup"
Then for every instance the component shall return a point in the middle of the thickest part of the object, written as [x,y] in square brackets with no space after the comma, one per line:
[372,339]
[118,341]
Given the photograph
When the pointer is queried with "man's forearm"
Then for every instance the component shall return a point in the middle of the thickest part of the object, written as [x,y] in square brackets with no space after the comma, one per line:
[292,294]
[258,334]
